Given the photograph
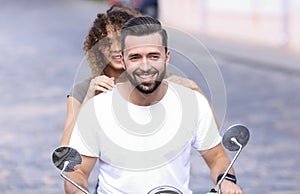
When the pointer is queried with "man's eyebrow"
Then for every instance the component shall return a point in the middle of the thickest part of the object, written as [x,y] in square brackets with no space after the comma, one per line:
[134,55]
[154,53]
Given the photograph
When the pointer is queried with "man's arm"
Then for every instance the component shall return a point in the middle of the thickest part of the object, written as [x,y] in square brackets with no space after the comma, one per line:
[218,161]
[80,175]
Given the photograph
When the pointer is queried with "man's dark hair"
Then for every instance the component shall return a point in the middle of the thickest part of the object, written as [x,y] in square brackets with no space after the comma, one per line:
[141,26]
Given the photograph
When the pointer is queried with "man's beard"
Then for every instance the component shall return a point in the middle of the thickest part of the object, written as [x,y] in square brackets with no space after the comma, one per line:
[146,87]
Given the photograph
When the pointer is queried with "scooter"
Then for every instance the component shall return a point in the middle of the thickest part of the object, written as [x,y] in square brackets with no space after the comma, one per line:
[234,139]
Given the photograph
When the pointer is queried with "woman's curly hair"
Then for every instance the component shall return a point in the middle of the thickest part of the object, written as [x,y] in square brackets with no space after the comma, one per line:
[115,17]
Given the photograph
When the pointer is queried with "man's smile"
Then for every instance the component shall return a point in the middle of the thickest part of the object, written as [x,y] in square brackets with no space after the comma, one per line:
[146,76]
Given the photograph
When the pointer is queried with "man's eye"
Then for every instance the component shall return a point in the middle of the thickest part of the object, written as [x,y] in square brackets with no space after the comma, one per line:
[133,58]
[154,57]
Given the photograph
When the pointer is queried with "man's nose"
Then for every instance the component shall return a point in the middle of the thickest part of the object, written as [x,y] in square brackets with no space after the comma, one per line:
[145,64]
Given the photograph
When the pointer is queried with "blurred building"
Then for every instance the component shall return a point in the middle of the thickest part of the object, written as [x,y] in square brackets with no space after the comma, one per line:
[271,23]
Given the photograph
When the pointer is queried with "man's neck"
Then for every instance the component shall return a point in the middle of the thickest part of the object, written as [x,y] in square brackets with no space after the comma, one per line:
[134,96]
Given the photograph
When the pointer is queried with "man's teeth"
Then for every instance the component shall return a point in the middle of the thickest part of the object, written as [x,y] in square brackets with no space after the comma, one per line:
[145,76]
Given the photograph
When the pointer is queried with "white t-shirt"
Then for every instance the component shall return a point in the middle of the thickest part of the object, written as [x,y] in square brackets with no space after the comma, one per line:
[142,147]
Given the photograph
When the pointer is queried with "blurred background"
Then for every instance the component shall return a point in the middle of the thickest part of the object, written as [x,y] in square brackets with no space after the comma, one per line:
[271,23]
[268,23]
[255,44]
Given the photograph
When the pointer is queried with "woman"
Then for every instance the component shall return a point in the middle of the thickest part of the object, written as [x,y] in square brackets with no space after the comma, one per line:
[102,51]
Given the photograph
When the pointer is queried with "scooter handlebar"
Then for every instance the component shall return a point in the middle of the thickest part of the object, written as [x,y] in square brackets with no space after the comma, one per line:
[212,191]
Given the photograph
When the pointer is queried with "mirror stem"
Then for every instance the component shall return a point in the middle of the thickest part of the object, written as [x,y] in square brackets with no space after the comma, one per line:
[234,140]
[65,177]
[66,163]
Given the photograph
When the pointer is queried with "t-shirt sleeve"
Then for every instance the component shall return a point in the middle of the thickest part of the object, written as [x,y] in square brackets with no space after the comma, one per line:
[207,134]
[79,90]
[85,134]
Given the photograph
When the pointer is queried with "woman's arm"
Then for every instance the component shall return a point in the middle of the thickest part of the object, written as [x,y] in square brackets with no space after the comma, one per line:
[97,85]
[73,108]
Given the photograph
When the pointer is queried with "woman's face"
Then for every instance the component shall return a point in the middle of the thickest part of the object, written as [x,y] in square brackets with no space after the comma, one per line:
[111,48]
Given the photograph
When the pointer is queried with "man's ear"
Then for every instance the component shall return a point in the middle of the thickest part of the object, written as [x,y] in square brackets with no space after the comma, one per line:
[167,57]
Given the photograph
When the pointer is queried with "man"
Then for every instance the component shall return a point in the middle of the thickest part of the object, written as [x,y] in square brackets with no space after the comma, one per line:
[143,130]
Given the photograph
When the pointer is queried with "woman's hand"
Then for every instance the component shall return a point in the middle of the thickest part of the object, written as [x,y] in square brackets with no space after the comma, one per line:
[98,85]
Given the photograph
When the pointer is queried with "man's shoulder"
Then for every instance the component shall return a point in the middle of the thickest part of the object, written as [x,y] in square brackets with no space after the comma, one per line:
[104,97]
[175,87]
[186,92]
[182,81]
[98,104]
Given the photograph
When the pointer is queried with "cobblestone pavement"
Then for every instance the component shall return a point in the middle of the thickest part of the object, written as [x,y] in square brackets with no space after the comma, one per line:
[267,103]
[40,50]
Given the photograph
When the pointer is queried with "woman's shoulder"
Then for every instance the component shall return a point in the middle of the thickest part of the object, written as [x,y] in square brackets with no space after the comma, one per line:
[82,84]
[79,89]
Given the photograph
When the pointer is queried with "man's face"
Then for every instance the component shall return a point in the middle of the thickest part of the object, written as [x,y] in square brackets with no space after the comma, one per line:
[145,61]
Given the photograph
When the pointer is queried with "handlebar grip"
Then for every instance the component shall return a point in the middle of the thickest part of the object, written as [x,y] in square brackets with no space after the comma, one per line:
[212,191]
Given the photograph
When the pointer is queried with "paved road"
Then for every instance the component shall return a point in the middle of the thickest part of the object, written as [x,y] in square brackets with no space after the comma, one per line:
[40,52]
